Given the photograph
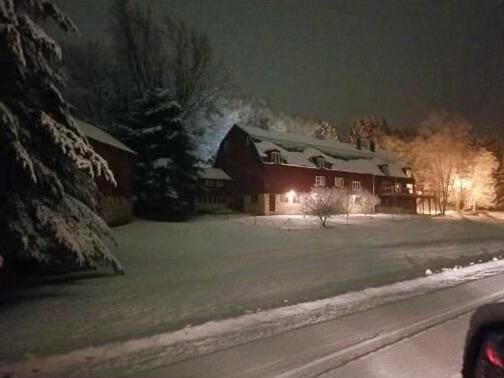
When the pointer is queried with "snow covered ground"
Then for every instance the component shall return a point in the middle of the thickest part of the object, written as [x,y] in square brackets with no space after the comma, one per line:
[136,357]
[180,275]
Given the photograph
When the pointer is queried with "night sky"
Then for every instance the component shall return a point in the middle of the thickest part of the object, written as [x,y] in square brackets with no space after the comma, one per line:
[338,60]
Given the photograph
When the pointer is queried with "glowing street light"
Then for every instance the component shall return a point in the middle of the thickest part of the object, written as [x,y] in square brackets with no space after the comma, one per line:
[461,184]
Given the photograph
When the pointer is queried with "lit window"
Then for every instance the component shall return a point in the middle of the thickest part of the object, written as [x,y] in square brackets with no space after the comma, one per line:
[339,182]
[411,188]
[398,187]
[320,180]
[407,172]
[275,157]
[290,197]
[356,186]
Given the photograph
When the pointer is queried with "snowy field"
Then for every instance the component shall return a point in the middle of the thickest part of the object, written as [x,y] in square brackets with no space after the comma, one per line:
[180,275]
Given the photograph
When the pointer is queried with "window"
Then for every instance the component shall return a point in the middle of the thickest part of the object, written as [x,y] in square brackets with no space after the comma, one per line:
[411,188]
[254,198]
[290,197]
[320,180]
[219,183]
[356,186]
[398,187]
[339,182]
[320,162]
[275,157]
[387,187]
[209,182]
[407,172]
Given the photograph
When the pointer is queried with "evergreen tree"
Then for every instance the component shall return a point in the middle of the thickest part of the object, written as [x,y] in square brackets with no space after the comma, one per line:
[47,191]
[167,169]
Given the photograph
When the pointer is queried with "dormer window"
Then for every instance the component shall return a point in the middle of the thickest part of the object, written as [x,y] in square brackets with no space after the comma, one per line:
[319,162]
[384,168]
[275,157]
[407,172]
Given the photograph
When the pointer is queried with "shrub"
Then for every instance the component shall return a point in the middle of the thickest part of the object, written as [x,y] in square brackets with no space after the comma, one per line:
[324,202]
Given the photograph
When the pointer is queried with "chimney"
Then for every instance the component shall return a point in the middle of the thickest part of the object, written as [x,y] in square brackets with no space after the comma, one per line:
[372,146]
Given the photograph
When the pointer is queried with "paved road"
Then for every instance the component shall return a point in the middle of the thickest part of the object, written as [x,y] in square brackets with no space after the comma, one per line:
[418,337]
[434,353]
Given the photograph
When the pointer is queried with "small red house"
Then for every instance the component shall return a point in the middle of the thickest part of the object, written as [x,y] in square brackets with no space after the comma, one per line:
[269,168]
[115,201]
[215,194]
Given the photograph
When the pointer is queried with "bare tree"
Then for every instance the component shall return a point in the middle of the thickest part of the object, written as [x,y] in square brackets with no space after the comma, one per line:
[438,153]
[368,130]
[198,77]
[90,74]
[138,42]
[326,130]
[481,180]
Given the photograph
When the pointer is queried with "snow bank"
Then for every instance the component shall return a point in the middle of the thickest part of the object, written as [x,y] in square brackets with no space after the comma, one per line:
[166,348]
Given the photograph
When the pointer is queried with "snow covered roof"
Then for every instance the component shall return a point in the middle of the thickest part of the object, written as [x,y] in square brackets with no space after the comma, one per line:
[299,150]
[99,135]
[214,174]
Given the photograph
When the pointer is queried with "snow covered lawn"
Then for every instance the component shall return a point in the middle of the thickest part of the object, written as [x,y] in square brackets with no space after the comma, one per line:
[181,274]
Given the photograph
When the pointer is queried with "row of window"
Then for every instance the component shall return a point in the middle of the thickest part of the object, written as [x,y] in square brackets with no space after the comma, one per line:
[211,199]
[339,182]
[216,183]
[390,187]
[387,186]
[285,198]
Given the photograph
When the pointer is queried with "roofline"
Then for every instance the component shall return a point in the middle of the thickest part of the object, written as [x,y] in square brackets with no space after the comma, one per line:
[279,137]
[365,155]
[119,144]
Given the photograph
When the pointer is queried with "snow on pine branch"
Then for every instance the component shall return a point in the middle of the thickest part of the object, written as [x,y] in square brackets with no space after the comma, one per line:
[74,145]
[46,8]
[39,36]
[162,163]
[10,126]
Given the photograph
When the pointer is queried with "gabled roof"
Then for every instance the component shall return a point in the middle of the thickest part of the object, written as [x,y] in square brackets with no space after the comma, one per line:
[214,174]
[99,135]
[299,150]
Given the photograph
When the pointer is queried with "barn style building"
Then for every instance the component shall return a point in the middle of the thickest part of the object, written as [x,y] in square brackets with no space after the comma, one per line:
[269,170]
[115,201]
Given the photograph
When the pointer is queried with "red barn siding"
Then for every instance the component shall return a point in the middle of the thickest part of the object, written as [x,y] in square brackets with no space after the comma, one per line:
[115,202]
[239,160]
[121,164]
[238,157]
